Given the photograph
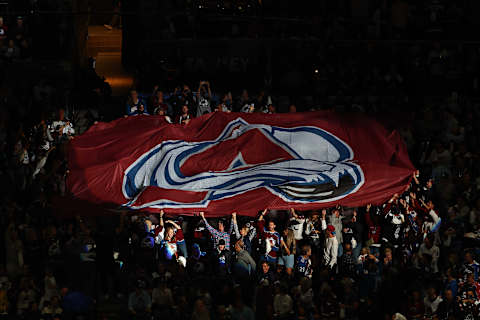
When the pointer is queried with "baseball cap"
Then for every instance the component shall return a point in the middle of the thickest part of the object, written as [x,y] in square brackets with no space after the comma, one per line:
[331,228]
[221,242]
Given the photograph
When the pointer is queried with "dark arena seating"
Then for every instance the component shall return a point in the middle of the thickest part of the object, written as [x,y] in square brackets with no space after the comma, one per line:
[68,66]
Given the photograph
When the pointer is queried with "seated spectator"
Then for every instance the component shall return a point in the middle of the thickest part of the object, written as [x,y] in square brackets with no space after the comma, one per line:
[52,309]
[182,96]
[265,273]
[135,104]
[470,285]
[428,255]
[451,282]
[468,305]
[240,311]
[471,266]
[448,307]
[185,116]
[162,297]
[204,98]
[161,112]
[243,101]
[158,104]
[304,295]
[431,302]
[282,303]
[139,302]
[225,105]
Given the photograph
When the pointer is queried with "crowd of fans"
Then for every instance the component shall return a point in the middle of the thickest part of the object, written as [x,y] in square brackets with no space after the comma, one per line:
[376,19]
[15,42]
[411,257]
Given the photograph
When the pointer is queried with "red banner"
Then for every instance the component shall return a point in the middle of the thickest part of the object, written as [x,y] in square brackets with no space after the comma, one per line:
[225,162]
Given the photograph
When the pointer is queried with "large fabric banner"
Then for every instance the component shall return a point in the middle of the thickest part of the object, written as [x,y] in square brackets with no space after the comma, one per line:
[225,162]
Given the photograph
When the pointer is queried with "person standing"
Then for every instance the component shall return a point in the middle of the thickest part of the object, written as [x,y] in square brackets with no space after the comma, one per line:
[135,104]
[245,266]
[219,234]
[288,251]
[271,237]
[330,250]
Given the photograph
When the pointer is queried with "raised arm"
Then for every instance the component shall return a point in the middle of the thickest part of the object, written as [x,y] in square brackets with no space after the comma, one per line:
[309,228]
[234,226]
[261,224]
[294,214]
[262,214]
[324,223]
[210,229]
[162,213]
[174,224]
[437,221]
[415,177]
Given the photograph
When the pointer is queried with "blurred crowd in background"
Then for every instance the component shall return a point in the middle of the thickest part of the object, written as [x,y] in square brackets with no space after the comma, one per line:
[414,257]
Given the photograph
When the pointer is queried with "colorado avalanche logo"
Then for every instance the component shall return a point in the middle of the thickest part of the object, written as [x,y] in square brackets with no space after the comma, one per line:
[319,168]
